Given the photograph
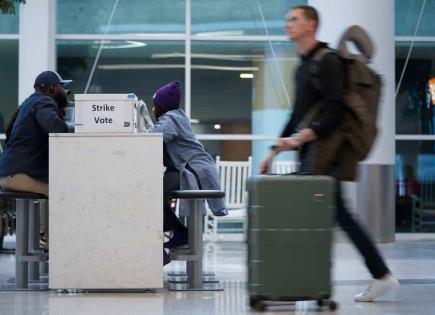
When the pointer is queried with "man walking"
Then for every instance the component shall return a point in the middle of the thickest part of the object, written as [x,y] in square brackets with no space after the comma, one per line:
[301,26]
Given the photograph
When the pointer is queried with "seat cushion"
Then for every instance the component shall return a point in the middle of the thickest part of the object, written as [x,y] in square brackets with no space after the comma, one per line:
[10,194]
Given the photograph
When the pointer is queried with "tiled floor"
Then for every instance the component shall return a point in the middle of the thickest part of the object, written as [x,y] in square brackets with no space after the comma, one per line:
[412,259]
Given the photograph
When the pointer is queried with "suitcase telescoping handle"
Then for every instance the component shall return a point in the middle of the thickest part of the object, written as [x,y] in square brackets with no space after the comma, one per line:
[269,167]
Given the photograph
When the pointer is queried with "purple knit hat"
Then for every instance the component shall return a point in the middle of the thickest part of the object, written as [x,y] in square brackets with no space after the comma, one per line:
[168,96]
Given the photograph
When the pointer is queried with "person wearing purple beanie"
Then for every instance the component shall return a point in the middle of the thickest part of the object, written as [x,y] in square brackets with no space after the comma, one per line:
[184,155]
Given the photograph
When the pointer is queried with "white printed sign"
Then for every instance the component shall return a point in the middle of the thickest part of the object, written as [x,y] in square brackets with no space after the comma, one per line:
[104,113]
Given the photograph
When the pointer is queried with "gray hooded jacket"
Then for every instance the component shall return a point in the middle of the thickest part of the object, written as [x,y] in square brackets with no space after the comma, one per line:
[183,149]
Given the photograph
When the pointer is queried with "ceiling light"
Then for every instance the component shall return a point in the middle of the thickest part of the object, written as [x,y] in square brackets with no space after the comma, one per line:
[217,126]
[246,75]
[173,66]
[108,44]
[234,57]
[194,121]
[222,33]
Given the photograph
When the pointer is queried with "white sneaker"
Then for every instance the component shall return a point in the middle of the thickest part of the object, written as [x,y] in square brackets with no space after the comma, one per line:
[377,288]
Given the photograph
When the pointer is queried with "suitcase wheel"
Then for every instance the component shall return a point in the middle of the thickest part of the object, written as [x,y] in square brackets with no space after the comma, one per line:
[257,304]
[332,304]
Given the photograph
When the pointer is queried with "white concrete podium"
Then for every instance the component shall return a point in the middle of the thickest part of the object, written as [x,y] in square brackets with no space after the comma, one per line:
[105,211]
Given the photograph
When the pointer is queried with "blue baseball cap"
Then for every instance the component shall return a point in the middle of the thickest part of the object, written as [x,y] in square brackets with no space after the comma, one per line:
[48,78]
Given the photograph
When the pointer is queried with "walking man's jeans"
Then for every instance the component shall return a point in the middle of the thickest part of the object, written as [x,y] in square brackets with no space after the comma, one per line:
[373,260]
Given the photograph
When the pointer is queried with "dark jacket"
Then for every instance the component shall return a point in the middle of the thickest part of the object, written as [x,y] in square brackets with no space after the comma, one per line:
[331,78]
[26,150]
[320,157]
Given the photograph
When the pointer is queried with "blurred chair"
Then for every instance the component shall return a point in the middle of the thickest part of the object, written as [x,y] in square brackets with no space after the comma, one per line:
[233,176]
[423,206]
[284,167]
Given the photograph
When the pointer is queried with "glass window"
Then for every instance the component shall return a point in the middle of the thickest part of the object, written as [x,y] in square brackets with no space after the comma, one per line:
[416,98]
[9,22]
[241,17]
[123,67]
[131,16]
[415,185]
[8,80]
[407,13]
[231,80]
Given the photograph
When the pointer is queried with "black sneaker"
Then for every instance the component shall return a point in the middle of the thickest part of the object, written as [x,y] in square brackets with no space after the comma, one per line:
[179,238]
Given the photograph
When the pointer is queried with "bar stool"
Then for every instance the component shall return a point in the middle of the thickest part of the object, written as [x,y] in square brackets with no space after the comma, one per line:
[193,254]
[28,255]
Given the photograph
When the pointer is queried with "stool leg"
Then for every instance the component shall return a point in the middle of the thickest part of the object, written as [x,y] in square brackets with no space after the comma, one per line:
[43,268]
[194,268]
[21,247]
[43,211]
[194,265]
[33,239]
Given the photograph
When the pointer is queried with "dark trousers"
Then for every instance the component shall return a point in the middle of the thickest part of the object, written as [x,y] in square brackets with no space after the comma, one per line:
[373,260]
[171,182]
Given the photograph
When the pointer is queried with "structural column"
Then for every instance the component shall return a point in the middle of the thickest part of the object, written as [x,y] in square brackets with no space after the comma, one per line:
[273,92]
[375,189]
[37,43]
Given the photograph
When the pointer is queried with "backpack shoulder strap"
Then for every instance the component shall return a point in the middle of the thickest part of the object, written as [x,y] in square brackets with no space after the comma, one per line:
[322,52]
[314,66]
[314,78]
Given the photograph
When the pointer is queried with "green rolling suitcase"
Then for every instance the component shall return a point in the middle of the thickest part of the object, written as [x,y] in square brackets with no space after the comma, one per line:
[290,222]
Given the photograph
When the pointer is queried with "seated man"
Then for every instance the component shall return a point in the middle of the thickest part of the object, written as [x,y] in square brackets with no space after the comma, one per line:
[24,163]
[183,154]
